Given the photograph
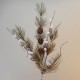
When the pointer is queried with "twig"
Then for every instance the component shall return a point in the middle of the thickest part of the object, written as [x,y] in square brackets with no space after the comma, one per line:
[52,18]
[62,46]
[57,25]
[9,30]
[41,76]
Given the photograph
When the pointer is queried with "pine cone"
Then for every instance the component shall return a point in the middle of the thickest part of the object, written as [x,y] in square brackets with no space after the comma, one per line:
[40,30]
[41,50]
[48,50]
[40,40]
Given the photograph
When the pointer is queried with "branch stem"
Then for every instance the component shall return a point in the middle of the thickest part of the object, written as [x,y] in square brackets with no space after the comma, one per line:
[62,46]
[41,76]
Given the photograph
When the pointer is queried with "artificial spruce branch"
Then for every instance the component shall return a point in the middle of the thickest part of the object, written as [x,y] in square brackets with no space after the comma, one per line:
[40,8]
[45,44]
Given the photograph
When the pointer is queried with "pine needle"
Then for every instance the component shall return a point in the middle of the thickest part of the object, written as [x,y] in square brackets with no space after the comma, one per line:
[40,8]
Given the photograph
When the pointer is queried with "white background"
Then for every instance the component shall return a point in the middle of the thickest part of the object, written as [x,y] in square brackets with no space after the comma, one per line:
[13,62]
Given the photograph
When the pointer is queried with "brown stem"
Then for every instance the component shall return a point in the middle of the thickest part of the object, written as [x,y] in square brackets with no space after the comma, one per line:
[62,45]
[9,30]
[41,76]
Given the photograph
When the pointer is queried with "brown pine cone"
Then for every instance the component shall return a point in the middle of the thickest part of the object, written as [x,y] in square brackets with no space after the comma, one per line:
[40,40]
[40,30]
[48,50]
[41,50]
